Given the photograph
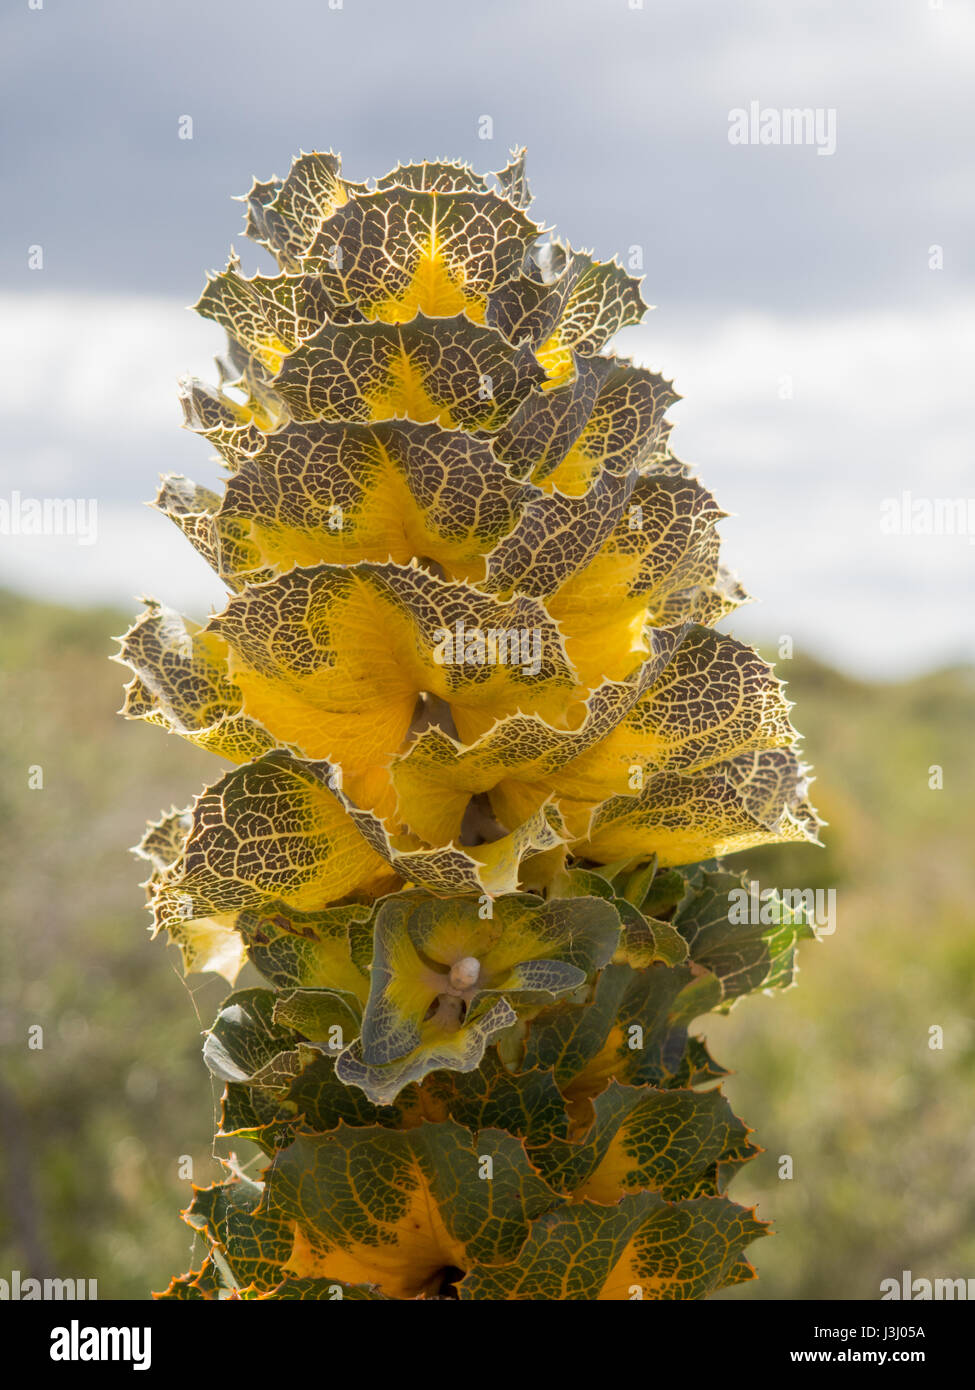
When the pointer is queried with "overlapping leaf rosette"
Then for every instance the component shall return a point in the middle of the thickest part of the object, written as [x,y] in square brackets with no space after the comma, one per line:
[481,724]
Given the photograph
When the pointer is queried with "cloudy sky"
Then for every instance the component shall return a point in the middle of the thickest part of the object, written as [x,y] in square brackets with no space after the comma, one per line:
[815,309]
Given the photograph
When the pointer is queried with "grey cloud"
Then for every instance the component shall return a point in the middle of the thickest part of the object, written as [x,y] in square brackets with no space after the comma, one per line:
[624,111]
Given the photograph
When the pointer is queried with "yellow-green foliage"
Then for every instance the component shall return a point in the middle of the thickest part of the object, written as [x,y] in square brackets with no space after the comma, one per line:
[487,748]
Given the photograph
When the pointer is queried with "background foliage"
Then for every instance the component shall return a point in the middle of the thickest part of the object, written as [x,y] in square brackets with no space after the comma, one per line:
[837,1073]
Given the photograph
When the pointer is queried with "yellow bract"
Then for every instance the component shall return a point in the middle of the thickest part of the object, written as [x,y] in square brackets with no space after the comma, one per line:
[449,513]
[407,1262]
[402,394]
[436,289]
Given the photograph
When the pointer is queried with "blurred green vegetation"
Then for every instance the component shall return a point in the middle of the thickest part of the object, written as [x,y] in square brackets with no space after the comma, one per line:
[94,1123]
[837,1073]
